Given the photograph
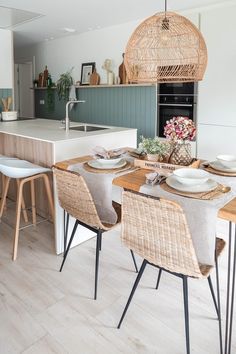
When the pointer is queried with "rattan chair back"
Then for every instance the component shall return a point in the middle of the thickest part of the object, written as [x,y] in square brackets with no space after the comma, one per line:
[157,230]
[75,198]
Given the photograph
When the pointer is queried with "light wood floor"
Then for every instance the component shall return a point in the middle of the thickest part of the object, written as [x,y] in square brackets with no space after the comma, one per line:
[43,311]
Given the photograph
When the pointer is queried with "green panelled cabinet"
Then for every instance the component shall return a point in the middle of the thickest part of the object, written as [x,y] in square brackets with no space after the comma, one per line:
[132,106]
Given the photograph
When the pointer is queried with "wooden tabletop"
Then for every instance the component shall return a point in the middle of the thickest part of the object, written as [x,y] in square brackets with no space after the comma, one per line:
[134,180]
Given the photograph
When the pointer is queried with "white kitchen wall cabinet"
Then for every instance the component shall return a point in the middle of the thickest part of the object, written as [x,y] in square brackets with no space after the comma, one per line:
[6,59]
[215,140]
[217,92]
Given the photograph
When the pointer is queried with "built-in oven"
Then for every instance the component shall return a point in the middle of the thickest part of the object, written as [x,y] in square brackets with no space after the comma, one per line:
[175,99]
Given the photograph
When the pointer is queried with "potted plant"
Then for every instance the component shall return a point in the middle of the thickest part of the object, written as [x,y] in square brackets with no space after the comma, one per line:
[63,85]
[153,148]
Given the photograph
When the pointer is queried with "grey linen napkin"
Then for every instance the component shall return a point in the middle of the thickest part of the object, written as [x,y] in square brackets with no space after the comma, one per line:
[100,152]
[155,178]
[201,215]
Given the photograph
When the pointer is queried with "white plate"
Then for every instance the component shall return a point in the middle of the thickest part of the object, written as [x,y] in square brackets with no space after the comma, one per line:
[209,185]
[218,166]
[100,166]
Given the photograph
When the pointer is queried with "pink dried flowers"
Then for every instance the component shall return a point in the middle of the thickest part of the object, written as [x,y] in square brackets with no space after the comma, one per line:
[180,128]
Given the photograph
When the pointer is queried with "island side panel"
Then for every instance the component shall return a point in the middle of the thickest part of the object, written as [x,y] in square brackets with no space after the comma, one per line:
[35,151]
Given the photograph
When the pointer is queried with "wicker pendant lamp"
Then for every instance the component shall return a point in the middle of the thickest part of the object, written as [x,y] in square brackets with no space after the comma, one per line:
[166,47]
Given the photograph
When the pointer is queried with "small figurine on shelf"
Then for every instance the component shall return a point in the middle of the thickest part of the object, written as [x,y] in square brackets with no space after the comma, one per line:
[35,83]
[108,67]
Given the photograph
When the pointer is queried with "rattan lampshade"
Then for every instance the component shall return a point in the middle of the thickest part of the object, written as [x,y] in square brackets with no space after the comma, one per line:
[166,47]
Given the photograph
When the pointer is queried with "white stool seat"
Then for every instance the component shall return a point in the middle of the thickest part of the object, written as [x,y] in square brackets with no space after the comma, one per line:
[15,168]
[23,171]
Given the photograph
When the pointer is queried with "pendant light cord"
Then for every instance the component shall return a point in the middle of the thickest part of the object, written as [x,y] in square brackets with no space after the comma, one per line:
[165,21]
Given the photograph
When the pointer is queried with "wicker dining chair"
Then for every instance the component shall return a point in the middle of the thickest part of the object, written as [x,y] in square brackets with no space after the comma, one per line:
[76,200]
[156,229]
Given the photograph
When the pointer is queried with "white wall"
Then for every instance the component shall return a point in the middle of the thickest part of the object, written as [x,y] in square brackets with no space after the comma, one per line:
[71,51]
[6,59]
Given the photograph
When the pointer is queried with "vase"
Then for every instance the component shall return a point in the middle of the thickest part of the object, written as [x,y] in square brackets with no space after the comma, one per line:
[110,78]
[181,154]
[154,157]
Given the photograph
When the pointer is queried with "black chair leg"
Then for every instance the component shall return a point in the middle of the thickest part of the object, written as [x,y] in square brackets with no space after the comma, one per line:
[134,260]
[71,239]
[186,312]
[140,273]
[98,248]
[213,295]
[219,305]
[66,225]
[100,245]
[158,278]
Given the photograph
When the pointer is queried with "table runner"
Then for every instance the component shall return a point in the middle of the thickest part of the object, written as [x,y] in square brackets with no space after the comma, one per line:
[100,187]
[201,215]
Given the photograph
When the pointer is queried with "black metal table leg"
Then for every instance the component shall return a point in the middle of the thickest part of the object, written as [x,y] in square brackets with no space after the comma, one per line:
[66,225]
[230,290]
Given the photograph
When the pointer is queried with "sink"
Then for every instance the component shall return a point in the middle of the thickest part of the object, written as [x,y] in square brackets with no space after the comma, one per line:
[87,128]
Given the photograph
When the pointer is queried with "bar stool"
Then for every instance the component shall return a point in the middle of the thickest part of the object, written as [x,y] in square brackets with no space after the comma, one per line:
[23,171]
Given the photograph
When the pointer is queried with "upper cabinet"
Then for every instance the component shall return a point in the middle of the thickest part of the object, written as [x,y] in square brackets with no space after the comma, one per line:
[6,59]
[217,91]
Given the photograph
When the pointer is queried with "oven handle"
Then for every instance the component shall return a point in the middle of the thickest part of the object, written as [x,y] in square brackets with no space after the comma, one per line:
[176,104]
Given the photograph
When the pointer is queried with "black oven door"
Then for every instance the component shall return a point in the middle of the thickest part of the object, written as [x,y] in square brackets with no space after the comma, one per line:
[178,88]
[168,111]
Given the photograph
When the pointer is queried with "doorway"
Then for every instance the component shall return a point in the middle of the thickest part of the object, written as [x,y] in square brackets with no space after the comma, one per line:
[24,95]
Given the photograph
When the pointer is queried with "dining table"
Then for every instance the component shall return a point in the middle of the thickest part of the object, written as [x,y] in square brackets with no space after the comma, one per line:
[134,179]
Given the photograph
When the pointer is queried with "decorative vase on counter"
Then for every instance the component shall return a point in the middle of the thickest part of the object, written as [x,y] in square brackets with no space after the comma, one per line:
[181,154]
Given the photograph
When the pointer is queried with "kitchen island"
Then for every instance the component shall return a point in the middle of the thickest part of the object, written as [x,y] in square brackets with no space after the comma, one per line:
[46,142]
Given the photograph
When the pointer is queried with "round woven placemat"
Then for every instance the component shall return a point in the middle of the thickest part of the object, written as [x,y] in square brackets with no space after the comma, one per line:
[105,170]
[220,173]
[215,193]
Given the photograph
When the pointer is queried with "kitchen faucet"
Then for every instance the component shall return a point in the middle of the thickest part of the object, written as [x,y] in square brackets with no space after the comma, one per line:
[67,119]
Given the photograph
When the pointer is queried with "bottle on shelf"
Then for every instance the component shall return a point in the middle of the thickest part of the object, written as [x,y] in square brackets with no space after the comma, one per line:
[45,76]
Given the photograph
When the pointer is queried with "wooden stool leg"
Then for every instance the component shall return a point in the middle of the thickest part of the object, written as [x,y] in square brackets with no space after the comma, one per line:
[18,210]
[4,194]
[49,194]
[23,204]
[32,189]
[3,188]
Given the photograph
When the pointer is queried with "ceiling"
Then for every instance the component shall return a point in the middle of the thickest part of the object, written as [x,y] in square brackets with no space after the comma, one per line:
[49,18]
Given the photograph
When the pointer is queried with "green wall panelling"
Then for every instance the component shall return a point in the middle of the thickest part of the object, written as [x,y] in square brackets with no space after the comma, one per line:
[129,106]
[132,107]
[43,110]
[4,93]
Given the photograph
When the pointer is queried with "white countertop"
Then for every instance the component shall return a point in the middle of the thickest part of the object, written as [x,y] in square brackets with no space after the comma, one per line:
[51,130]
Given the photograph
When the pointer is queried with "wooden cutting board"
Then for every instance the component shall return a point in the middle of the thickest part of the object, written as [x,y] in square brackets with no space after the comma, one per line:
[94,78]
[122,72]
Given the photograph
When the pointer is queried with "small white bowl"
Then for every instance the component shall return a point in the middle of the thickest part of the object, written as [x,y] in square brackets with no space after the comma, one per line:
[191,176]
[228,161]
[111,161]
